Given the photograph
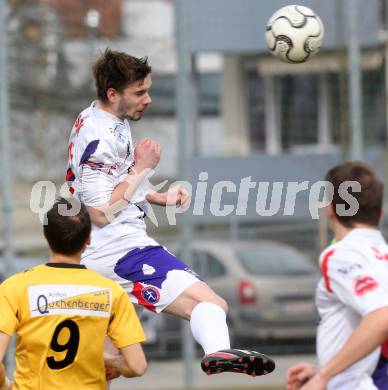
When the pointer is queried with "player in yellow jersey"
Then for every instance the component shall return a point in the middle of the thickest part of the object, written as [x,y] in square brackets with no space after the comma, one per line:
[62,312]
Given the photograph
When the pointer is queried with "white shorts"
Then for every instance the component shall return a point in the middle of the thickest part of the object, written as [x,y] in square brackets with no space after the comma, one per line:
[152,276]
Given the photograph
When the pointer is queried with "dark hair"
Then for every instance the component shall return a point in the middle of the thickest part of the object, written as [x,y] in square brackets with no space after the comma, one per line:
[117,70]
[67,235]
[370,198]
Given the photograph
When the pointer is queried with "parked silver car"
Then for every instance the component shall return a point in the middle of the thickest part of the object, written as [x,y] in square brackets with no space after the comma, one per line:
[269,287]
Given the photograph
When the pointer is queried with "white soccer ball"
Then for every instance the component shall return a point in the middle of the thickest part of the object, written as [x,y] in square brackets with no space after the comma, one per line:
[294,34]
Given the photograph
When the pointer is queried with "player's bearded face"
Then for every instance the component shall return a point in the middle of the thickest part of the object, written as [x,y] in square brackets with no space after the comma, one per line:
[135,99]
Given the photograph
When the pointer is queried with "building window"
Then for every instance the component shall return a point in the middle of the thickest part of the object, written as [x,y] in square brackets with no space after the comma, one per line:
[374,107]
[299,110]
[256,110]
[163,94]
[298,97]
[373,101]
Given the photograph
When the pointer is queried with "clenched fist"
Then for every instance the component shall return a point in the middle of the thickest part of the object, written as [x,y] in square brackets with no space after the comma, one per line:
[147,154]
[179,196]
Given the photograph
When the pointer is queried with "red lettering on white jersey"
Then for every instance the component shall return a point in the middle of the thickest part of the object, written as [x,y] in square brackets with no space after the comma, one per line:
[384,349]
[71,145]
[325,269]
[365,284]
[379,255]
[78,123]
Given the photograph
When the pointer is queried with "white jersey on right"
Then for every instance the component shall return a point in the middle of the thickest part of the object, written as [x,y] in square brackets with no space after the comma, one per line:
[354,283]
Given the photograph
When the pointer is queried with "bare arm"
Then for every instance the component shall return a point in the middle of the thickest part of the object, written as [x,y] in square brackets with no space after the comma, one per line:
[4,342]
[299,374]
[370,333]
[120,197]
[5,384]
[131,363]
[157,198]
[147,156]
[175,196]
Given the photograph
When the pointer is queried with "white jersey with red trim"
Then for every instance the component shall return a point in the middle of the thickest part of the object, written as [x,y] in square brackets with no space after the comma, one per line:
[101,154]
[354,283]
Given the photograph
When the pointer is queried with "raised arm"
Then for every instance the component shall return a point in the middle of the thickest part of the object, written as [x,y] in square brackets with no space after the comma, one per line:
[147,157]
[175,196]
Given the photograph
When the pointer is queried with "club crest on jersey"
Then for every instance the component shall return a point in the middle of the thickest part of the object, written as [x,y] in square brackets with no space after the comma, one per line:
[364,284]
[150,294]
[123,138]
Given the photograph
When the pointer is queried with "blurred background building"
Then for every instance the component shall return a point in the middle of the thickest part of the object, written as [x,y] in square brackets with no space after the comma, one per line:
[249,103]
[52,45]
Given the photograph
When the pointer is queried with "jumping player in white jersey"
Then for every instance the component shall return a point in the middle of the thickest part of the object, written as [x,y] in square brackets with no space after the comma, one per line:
[107,172]
[352,295]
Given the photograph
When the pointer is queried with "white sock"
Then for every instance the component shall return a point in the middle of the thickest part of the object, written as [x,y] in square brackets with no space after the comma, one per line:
[208,326]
